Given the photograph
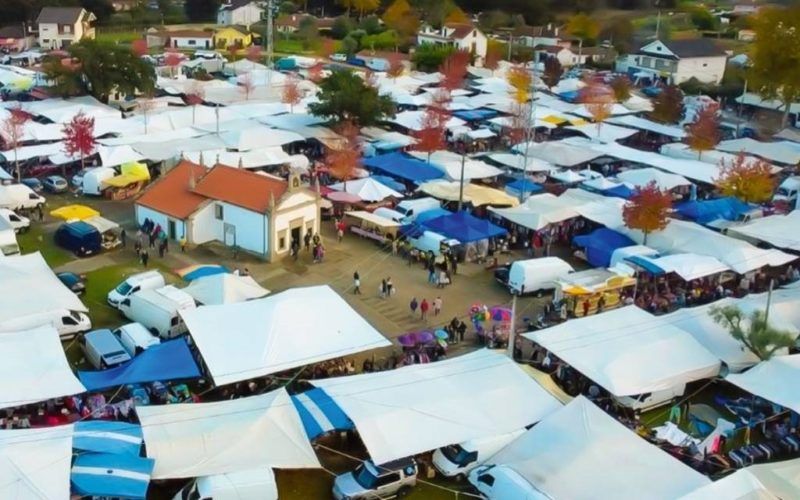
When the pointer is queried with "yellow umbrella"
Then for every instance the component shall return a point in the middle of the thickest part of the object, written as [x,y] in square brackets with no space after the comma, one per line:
[555,120]
[74,212]
[135,170]
[576,290]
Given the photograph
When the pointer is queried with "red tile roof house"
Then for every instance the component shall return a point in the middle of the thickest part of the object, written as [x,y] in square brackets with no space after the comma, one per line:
[257,213]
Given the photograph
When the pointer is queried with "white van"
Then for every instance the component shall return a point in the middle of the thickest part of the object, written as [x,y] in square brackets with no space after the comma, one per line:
[536,275]
[498,482]
[156,312]
[788,191]
[148,280]
[180,297]
[650,400]
[252,484]
[19,196]
[388,213]
[411,208]
[68,323]
[92,181]
[8,239]
[461,458]
[18,222]
[103,349]
[432,242]
[135,338]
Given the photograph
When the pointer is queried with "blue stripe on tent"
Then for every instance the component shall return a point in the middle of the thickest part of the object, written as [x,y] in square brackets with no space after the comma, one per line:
[166,361]
[621,191]
[389,182]
[600,245]
[705,211]
[103,474]
[524,186]
[464,227]
[473,115]
[403,167]
[433,213]
[103,436]
[319,413]
[645,264]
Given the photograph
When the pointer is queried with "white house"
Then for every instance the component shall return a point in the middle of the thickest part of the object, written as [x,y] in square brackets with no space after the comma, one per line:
[15,38]
[236,207]
[191,39]
[550,34]
[565,56]
[461,36]
[243,12]
[677,61]
[60,27]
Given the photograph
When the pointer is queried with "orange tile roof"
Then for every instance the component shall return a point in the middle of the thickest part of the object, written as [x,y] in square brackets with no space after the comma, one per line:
[171,195]
[240,187]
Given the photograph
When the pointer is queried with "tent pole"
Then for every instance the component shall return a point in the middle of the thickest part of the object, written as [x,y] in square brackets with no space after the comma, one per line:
[512,334]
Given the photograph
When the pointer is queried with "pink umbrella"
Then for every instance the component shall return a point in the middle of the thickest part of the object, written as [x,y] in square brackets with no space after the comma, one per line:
[343,197]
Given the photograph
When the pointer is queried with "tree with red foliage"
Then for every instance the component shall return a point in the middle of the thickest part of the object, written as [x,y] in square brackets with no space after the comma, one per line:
[343,161]
[139,47]
[78,137]
[647,209]
[396,66]
[454,70]
[172,59]
[247,84]
[12,130]
[519,128]
[291,93]
[315,72]
[598,99]
[431,136]
[748,179]
[327,47]
[703,133]
[194,97]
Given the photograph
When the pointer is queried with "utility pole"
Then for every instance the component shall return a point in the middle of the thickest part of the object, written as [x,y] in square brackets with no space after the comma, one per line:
[530,135]
[512,334]
[461,183]
[269,43]
[510,44]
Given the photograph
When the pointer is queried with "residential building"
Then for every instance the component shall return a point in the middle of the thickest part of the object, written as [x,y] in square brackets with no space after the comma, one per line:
[676,61]
[461,36]
[290,23]
[256,213]
[547,35]
[15,38]
[60,27]
[567,57]
[243,12]
[191,39]
[232,35]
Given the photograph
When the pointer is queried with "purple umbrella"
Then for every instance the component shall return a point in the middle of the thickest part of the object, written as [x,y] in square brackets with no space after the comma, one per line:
[407,339]
[425,337]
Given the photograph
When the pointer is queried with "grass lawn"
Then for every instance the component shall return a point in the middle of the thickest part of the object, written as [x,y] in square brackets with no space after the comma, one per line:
[38,239]
[124,37]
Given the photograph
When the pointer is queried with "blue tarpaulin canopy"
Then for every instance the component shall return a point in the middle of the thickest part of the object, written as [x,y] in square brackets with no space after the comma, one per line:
[104,436]
[464,227]
[166,361]
[706,211]
[571,96]
[524,186]
[621,191]
[403,167]
[474,115]
[431,214]
[645,264]
[600,245]
[320,414]
[391,183]
[109,475]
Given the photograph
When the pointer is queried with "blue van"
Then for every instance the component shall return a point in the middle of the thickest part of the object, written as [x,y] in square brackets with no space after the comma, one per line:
[80,238]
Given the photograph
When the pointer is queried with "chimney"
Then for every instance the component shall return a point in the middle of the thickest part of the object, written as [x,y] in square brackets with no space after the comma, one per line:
[202,162]
[192,181]
[241,163]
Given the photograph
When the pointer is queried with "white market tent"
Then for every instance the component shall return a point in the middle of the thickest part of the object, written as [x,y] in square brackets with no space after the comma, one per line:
[520,162]
[640,123]
[782,231]
[413,120]
[225,288]
[603,133]
[616,109]
[254,158]
[776,380]
[258,337]
[689,266]
[558,153]
[567,176]
[741,485]
[33,368]
[770,151]
[368,189]
[538,211]
[28,286]
[683,151]
[628,351]
[111,156]
[644,176]
[450,164]
[716,338]
[476,194]
[582,453]
[203,439]
[781,478]
[257,136]
[35,463]
[403,412]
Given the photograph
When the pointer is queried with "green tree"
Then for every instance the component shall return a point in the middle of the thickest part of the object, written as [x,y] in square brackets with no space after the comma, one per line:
[201,10]
[371,25]
[345,97]
[754,331]
[429,57]
[99,69]
[775,71]
[342,26]
[702,18]
[668,105]
[493,19]
[620,33]
[584,27]
[349,45]
[308,31]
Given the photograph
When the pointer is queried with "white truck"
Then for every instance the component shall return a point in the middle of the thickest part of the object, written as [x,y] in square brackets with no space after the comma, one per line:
[19,196]
[411,208]
[155,311]
[68,323]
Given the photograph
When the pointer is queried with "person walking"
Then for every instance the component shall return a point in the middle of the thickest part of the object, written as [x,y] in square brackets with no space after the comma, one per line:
[340,230]
[423,308]
[413,305]
[437,306]
[383,289]
[431,273]
[145,257]
[356,284]
[389,287]
[161,247]
[307,240]
[123,237]
[586,306]
[152,239]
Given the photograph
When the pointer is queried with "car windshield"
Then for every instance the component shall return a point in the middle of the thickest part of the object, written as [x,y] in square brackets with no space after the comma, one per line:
[123,288]
[456,454]
[365,477]
[75,315]
[783,191]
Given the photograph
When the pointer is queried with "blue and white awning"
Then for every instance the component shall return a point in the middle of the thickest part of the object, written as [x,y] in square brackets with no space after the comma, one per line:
[107,437]
[108,475]
[320,414]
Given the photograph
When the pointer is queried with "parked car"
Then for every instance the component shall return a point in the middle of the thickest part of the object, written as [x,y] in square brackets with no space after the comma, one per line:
[55,184]
[393,479]
[77,180]
[459,459]
[33,183]
[76,283]
[339,57]
[135,338]
[103,349]
[18,222]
